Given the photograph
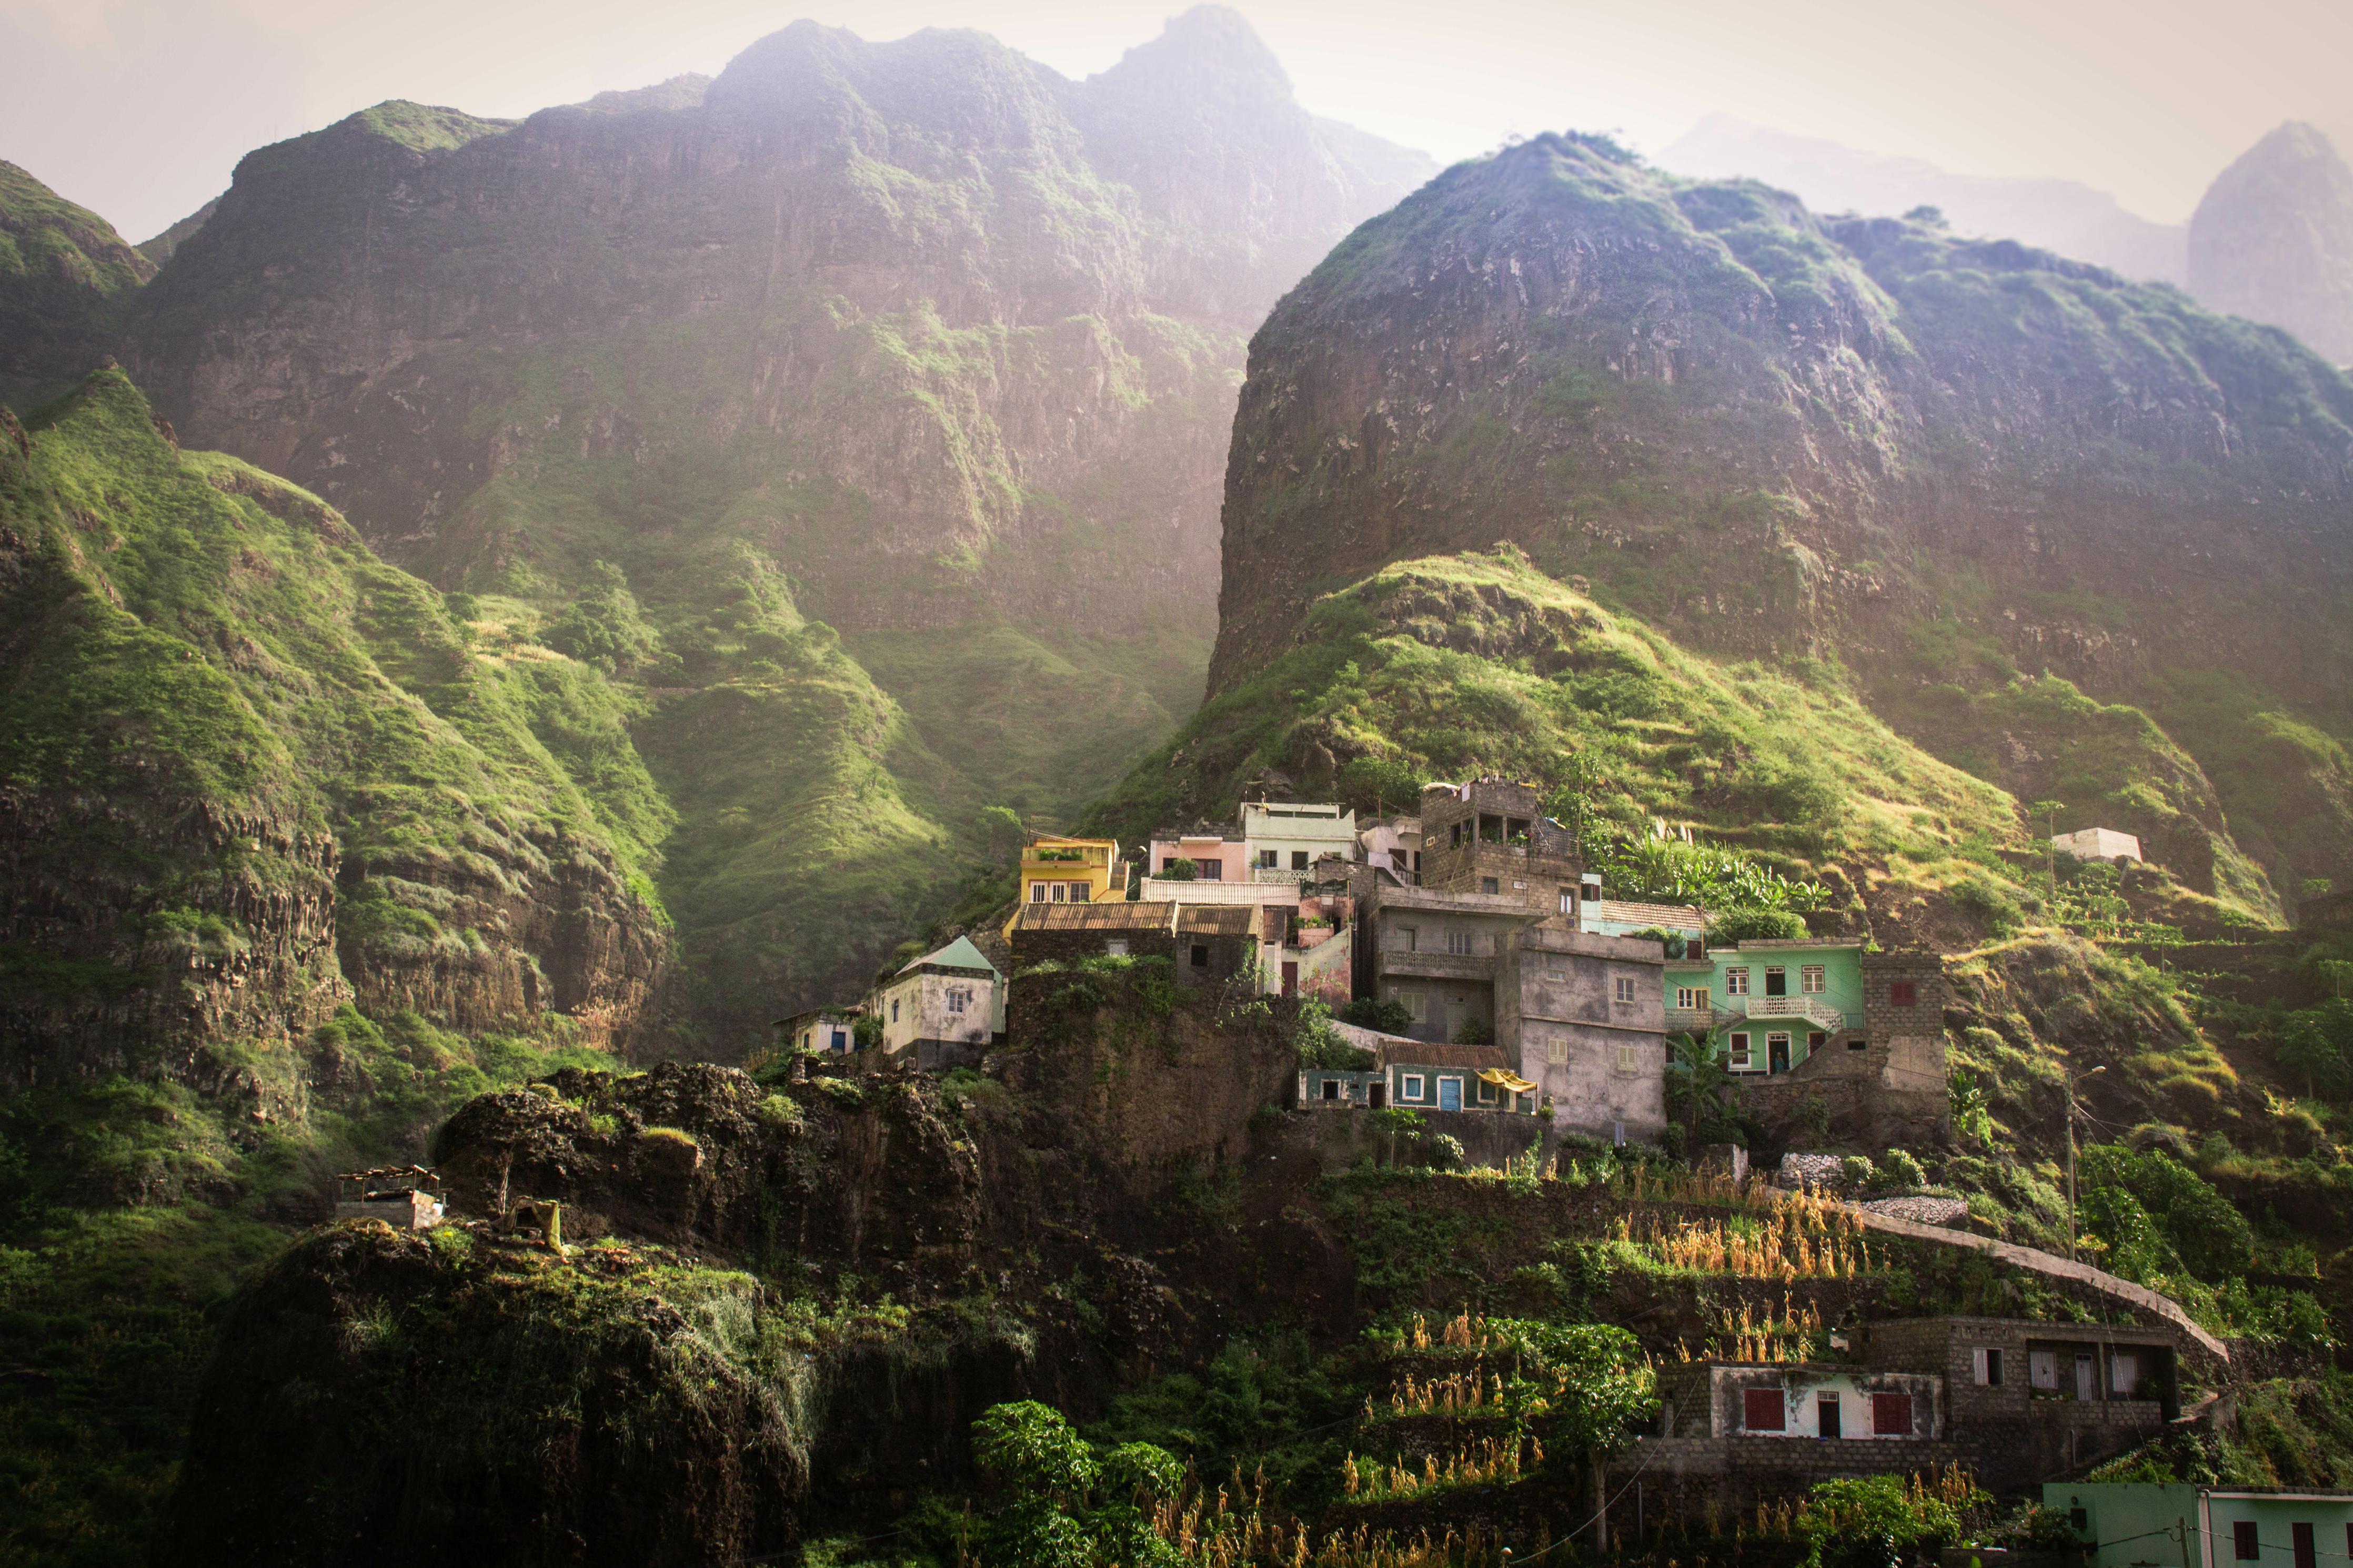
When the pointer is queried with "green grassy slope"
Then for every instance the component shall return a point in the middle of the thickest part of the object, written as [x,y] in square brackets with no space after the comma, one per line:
[64,277]
[1448,665]
[312,780]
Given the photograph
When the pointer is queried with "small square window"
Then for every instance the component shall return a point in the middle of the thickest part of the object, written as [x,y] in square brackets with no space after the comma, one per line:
[957,998]
[1736,983]
[1486,1092]
[1116,948]
[1556,1053]
[1200,955]
[1625,989]
[1904,994]
[1266,858]
[1776,980]
[1686,998]
[1411,1087]
[1331,1089]
[1459,943]
[1489,885]
[1858,1045]
[1299,860]
[1761,1410]
[1891,1415]
[1038,892]
[1811,980]
[1626,1062]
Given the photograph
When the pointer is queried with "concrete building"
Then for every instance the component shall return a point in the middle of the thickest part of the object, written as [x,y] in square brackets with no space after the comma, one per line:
[1216,855]
[2097,843]
[1056,870]
[1798,1400]
[1578,1014]
[1284,839]
[1304,927]
[828,1030]
[1393,848]
[942,1010]
[1581,1016]
[2139,1523]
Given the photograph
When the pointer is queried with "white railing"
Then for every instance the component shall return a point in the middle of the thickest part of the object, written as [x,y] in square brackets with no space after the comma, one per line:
[1812,1009]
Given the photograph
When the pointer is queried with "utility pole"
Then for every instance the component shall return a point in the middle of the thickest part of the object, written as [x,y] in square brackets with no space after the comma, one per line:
[2071,1154]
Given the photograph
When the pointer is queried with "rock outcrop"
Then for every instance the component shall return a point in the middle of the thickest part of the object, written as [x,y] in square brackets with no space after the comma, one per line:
[2272,241]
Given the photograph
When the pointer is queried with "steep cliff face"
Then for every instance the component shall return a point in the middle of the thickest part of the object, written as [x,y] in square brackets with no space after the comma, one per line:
[2272,241]
[893,379]
[1945,462]
[253,773]
[64,275]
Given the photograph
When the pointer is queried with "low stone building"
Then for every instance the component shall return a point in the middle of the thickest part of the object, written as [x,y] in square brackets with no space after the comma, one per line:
[1207,944]
[2029,1399]
[2010,1400]
[1491,836]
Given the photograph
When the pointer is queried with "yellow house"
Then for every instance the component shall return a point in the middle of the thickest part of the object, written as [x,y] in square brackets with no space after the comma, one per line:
[1069,871]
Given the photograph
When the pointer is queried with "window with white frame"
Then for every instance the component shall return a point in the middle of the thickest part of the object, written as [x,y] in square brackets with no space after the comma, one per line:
[1041,892]
[1736,983]
[1740,1053]
[1459,943]
[1625,989]
[1626,1062]
[1811,980]
[959,996]
[1686,998]
[1556,1053]
[1410,1086]
[1486,1091]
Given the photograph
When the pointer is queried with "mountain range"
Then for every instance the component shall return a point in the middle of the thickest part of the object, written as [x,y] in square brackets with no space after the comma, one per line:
[855,415]
[2269,241]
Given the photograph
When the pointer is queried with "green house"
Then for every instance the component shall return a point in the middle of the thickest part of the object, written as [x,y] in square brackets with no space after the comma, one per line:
[2131,1524]
[1768,1006]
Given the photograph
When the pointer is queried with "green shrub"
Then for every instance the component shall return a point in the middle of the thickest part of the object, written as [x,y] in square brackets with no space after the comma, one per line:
[1755,925]
[1387,1015]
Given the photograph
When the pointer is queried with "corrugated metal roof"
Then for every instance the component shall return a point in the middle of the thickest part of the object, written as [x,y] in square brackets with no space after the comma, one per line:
[1192,920]
[1416,1054]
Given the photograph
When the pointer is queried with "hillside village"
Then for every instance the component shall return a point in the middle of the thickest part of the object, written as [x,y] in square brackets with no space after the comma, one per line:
[1484,963]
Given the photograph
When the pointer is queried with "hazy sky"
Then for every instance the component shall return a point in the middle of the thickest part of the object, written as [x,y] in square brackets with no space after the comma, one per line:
[139,109]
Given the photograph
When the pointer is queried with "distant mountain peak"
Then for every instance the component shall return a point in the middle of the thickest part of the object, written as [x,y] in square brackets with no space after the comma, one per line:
[2272,241]
[1207,39]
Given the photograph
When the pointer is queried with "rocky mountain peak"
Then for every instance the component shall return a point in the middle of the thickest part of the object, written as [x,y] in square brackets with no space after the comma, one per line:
[1209,47]
[2274,240]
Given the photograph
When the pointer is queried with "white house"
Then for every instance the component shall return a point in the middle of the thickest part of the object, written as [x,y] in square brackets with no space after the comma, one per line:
[2098,843]
[944,1007]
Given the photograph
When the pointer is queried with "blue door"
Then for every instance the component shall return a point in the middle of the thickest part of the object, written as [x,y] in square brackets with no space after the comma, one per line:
[1450,1094]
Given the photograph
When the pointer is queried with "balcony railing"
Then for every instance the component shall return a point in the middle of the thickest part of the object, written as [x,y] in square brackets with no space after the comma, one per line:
[1436,965]
[1695,1020]
[1278,873]
[1812,1009]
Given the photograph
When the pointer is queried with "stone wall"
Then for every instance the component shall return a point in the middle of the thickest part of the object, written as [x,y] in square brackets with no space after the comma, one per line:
[1143,1093]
